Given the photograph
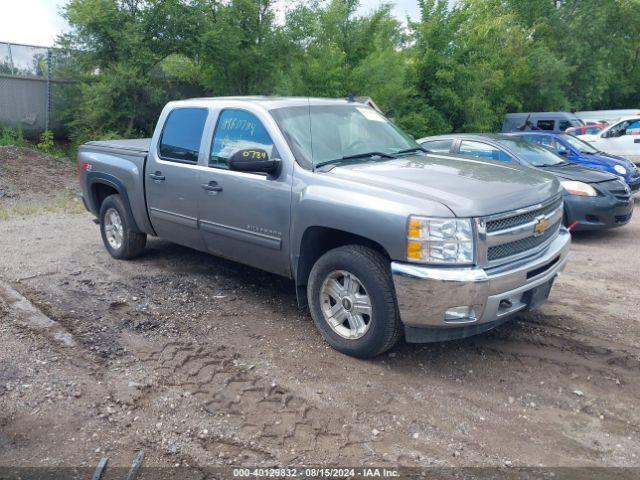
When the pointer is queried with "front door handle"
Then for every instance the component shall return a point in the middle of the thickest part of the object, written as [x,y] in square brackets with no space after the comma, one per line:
[212,186]
[636,140]
[157,176]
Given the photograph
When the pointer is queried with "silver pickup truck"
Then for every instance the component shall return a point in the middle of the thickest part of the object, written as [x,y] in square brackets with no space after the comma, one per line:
[382,239]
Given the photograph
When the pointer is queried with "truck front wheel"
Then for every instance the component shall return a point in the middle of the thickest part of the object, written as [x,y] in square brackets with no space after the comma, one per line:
[352,301]
[118,236]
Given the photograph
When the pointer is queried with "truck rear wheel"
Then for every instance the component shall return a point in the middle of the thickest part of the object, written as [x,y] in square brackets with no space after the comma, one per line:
[352,301]
[118,236]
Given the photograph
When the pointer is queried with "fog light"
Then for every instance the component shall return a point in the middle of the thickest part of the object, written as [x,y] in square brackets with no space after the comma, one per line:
[466,314]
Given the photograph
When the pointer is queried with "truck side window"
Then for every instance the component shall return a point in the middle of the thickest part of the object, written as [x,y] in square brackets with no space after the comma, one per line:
[633,129]
[181,135]
[482,150]
[564,124]
[546,124]
[237,130]
[438,146]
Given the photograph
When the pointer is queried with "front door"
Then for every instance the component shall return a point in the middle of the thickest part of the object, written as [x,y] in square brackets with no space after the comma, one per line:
[244,216]
[171,178]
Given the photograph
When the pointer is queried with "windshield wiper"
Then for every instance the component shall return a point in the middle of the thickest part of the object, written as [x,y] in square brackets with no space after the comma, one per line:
[355,157]
[411,150]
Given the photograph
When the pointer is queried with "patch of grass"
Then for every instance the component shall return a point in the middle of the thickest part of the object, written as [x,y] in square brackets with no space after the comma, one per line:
[66,202]
[11,138]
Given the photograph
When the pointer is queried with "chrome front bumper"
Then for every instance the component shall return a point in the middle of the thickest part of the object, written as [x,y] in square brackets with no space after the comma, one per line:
[425,293]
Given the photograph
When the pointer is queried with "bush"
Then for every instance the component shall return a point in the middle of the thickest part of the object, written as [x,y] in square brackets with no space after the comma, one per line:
[46,143]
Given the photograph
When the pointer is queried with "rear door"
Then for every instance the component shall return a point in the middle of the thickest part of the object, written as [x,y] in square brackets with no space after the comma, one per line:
[171,177]
[244,216]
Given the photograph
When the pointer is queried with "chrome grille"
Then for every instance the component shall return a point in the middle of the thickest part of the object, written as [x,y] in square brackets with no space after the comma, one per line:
[514,235]
[519,246]
[509,222]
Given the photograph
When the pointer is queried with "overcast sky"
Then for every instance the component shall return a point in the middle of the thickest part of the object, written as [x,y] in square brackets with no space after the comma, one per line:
[37,22]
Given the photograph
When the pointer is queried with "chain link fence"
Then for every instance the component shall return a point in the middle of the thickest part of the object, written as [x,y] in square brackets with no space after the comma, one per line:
[32,85]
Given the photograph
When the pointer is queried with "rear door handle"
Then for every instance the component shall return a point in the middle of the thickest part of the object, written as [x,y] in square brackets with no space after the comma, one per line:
[157,176]
[636,140]
[212,186]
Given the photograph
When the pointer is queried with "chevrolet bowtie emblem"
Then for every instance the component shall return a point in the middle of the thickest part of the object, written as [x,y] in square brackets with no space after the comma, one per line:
[541,226]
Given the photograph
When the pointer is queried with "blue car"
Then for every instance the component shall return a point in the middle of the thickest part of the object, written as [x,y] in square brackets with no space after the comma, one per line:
[580,152]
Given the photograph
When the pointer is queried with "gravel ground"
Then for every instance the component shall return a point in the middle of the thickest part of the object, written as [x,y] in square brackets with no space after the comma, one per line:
[205,362]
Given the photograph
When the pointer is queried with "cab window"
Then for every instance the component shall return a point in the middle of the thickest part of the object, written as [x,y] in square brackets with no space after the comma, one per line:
[237,130]
[182,134]
[634,128]
[546,124]
[564,124]
[482,150]
[438,146]
[627,127]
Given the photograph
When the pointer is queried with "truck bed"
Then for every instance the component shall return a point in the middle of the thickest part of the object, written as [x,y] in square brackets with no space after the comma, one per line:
[137,145]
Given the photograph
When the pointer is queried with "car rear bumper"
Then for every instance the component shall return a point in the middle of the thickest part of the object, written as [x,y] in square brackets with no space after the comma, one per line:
[425,294]
[597,213]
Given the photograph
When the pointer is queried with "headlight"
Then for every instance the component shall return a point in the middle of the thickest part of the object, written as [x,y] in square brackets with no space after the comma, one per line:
[579,188]
[446,241]
[620,169]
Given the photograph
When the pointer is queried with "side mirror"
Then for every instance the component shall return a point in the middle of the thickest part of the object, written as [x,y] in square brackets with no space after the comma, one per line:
[606,134]
[254,160]
[564,152]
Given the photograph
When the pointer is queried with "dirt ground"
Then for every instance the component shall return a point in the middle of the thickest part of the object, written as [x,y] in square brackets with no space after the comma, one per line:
[200,361]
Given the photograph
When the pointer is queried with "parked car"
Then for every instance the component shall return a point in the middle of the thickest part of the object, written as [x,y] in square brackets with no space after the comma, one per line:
[606,116]
[583,153]
[589,129]
[620,138]
[552,121]
[593,200]
[380,238]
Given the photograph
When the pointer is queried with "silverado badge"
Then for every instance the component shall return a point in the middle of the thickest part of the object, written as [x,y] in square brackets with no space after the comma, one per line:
[541,226]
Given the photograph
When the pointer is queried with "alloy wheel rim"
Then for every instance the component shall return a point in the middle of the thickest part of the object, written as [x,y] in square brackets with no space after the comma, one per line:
[346,305]
[113,228]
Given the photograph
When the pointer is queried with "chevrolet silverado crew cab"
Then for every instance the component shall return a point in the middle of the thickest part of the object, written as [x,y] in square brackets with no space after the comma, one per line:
[382,239]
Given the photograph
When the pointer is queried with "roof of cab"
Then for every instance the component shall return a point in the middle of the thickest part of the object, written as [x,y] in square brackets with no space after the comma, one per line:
[266,102]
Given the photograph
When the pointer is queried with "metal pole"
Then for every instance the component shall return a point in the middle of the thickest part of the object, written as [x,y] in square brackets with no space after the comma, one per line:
[11,59]
[48,96]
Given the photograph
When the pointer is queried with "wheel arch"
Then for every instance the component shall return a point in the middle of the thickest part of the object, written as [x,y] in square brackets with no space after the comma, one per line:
[318,240]
[103,185]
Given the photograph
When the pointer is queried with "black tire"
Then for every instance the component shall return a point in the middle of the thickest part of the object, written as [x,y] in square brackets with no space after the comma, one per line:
[372,270]
[133,242]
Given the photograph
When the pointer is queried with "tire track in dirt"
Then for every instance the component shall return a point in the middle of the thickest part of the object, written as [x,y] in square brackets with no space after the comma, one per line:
[258,414]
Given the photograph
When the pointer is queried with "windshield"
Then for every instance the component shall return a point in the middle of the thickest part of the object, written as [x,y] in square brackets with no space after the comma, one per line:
[578,144]
[327,133]
[532,153]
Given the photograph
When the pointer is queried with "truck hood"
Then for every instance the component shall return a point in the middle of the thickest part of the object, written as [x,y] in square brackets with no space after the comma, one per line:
[468,187]
[572,171]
